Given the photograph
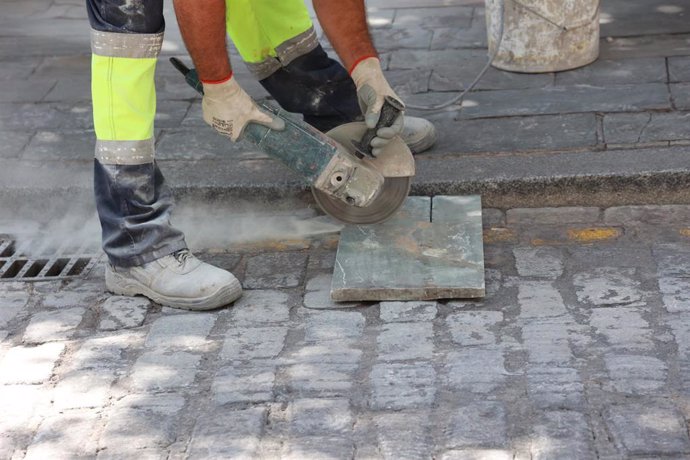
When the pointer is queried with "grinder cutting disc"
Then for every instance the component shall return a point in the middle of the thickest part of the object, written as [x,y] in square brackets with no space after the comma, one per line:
[393,192]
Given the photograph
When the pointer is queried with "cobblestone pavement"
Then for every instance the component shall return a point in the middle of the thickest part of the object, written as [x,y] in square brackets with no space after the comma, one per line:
[581,349]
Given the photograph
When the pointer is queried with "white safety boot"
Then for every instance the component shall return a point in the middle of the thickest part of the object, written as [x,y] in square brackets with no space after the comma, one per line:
[419,134]
[179,280]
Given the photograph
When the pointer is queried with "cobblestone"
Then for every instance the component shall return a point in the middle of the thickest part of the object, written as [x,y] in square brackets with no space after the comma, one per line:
[624,328]
[275,270]
[476,370]
[564,215]
[608,287]
[402,386]
[10,305]
[562,434]
[241,384]
[480,424]
[675,294]
[552,387]
[540,299]
[405,341]
[333,325]
[180,331]
[253,343]
[636,374]
[474,327]
[320,417]
[164,371]
[648,429]
[407,311]
[403,434]
[212,439]
[50,326]
[123,312]
[32,365]
[260,308]
[65,436]
[539,262]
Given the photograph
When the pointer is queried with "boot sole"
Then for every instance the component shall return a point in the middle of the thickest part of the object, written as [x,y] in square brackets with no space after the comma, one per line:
[117,284]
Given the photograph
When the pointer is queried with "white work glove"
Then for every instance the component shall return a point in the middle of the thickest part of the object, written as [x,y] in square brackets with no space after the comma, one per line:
[372,88]
[228,108]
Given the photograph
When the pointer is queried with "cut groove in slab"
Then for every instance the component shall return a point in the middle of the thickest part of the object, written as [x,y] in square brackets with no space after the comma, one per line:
[411,257]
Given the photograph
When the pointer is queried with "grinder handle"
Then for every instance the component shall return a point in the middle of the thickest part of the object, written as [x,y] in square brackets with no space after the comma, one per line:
[190,75]
[389,113]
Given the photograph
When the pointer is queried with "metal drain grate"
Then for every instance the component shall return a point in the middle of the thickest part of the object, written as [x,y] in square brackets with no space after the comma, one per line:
[33,259]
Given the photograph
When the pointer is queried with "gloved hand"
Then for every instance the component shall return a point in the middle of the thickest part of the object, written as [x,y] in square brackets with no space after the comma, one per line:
[372,88]
[228,108]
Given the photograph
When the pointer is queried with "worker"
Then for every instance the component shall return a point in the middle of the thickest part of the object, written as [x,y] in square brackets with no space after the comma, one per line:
[146,254]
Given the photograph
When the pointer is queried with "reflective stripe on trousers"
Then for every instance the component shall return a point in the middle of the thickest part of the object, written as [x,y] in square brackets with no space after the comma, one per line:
[132,200]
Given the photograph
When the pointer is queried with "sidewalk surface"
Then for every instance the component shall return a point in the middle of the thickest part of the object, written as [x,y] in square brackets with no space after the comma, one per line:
[581,348]
[614,132]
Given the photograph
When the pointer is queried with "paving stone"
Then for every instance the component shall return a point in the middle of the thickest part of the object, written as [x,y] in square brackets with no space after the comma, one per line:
[650,214]
[616,72]
[408,341]
[547,340]
[562,434]
[138,423]
[477,370]
[679,95]
[321,379]
[558,216]
[26,90]
[212,438]
[243,385]
[30,365]
[679,69]
[571,99]
[331,351]
[474,327]
[539,299]
[648,429]
[478,454]
[451,77]
[405,82]
[623,327]
[447,254]
[403,434]
[548,132]
[402,386]
[22,407]
[636,374]
[13,143]
[608,286]
[316,417]
[118,312]
[432,18]
[275,270]
[552,387]
[318,295]
[59,145]
[105,353]
[18,68]
[480,423]
[411,37]
[68,435]
[10,306]
[70,89]
[672,260]
[83,389]
[49,326]
[253,343]
[258,308]
[680,327]
[180,331]
[460,37]
[182,144]
[333,325]
[28,117]
[394,312]
[675,294]
[539,262]
[318,447]
[164,371]
[636,18]
[68,299]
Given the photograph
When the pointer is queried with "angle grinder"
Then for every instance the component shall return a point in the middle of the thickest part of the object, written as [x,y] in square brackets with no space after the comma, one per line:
[348,182]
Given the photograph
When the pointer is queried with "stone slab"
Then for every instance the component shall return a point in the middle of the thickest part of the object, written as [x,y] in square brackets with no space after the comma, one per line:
[412,256]
[642,128]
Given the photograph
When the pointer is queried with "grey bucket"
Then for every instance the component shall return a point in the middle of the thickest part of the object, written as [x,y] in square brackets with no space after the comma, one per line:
[542,35]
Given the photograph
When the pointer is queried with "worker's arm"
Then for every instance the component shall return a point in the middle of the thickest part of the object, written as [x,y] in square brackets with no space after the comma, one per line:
[226,106]
[345,25]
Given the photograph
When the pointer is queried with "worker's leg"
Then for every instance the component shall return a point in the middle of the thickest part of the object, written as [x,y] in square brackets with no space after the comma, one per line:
[131,197]
[147,254]
[276,39]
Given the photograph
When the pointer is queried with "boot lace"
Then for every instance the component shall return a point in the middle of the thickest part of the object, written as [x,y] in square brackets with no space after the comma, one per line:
[182,255]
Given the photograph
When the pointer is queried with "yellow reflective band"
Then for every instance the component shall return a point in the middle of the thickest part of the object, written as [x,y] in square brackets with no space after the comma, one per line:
[258,27]
[124,97]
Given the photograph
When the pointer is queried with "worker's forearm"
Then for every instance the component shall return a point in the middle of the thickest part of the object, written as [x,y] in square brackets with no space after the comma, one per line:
[345,24]
[202,24]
